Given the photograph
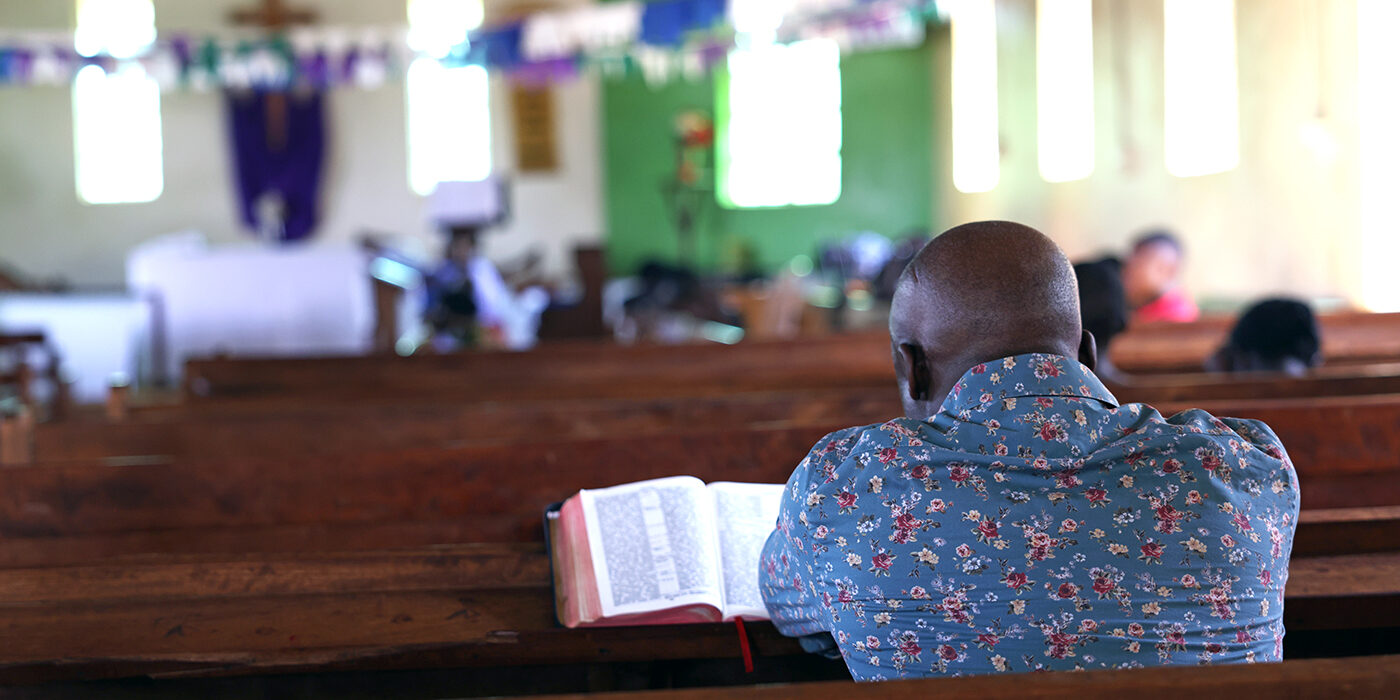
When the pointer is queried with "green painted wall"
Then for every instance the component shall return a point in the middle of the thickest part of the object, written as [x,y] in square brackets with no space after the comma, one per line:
[887,169]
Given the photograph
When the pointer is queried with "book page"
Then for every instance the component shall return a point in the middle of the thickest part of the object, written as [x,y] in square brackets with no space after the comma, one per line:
[745,514]
[653,546]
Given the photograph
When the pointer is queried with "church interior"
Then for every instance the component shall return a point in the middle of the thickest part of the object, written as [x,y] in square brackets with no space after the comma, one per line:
[309,309]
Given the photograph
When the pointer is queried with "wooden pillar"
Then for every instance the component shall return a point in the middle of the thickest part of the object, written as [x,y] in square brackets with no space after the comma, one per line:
[60,402]
[118,402]
[24,380]
[17,437]
[386,316]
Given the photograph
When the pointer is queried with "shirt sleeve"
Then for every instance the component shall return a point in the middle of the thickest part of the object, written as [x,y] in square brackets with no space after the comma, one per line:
[494,300]
[1259,435]
[787,574]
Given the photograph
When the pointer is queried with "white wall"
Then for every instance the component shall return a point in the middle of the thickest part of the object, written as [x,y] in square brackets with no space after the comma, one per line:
[45,231]
[1285,220]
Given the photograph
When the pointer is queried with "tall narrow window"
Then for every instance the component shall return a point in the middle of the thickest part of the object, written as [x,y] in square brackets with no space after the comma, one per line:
[1378,113]
[116,116]
[976,139]
[449,117]
[1064,72]
[1202,130]
[779,125]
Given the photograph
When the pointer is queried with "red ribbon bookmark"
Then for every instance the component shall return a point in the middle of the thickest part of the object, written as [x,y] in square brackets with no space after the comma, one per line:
[744,645]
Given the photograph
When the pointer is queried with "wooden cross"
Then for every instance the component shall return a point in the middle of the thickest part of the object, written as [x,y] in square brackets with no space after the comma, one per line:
[271,15]
[274,17]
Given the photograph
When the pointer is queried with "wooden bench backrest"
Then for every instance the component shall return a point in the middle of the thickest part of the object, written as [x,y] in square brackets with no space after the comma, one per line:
[502,488]
[320,428]
[1349,434]
[1347,338]
[685,371]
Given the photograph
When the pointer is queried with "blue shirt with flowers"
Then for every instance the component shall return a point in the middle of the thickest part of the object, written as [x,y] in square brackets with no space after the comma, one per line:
[1036,524]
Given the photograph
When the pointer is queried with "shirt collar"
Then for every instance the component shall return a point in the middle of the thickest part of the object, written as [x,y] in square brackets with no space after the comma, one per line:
[1031,374]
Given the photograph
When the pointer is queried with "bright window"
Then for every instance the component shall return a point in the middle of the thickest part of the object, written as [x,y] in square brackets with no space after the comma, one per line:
[1378,112]
[1064,71]
[779,126]
[1202,130]
[116,116]
[449,118]
[976,136]
[119,28]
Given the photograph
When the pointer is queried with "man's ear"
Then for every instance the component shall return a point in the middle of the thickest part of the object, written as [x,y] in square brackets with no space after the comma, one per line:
[1088,350]
[912,364]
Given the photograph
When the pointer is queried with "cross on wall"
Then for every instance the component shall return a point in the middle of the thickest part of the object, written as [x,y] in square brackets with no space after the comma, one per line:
[275,17]
[272,15]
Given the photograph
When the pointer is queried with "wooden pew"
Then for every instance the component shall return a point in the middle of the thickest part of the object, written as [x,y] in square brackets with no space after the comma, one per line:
[357,593]
[322,428]
[1356,434]
[573,370]
[1356,425]
[481,483]
[292,381]
[312,426]
[469,605]
[1348,338]
[495,492]
[452,384]
[1357,380]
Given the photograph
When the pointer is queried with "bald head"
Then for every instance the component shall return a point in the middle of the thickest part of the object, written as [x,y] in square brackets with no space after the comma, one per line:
[979,292]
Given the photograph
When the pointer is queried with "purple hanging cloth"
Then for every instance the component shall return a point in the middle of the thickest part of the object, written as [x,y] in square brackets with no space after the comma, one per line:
[278,143]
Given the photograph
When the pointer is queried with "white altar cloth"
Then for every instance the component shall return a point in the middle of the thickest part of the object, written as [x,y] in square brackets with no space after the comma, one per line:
[254,299]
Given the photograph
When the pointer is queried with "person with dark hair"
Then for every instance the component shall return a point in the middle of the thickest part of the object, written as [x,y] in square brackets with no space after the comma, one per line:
[1017,517]
[914,240]
[1103,307]
[452,319]
[1274,335]
[1151,279]
[503,317]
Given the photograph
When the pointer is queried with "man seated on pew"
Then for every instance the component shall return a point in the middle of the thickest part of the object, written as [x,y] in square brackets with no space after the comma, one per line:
[1019,518]
[1274,335]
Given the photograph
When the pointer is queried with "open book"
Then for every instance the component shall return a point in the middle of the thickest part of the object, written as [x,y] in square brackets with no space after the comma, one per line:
[662,551]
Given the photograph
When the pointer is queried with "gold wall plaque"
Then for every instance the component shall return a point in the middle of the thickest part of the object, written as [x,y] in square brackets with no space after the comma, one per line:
[536,150]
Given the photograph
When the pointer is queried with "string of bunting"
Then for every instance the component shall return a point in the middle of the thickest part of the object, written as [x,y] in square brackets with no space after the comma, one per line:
[662,40]
[666,39]
[328,58]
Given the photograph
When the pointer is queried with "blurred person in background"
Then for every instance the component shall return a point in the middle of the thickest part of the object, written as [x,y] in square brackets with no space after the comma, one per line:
[1274,335]
[1152,280]
[502,317]
[1103,309]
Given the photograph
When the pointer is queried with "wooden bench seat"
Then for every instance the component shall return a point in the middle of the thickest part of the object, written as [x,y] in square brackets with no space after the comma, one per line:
[461,606]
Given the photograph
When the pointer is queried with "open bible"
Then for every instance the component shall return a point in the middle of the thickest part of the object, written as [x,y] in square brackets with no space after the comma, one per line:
[663,551]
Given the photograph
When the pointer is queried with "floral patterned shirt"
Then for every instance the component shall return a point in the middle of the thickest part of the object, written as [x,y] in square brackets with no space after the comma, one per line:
[1035,524]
